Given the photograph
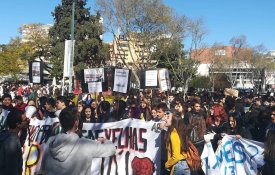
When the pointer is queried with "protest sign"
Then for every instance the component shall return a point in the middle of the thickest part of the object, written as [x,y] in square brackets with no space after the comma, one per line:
[137,142]
[94,75]
[233,156]
[121,80]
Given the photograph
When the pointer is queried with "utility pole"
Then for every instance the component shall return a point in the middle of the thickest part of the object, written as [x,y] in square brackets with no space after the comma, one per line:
[72,50]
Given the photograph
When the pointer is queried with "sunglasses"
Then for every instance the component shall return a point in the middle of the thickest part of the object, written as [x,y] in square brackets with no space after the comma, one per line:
[168,112]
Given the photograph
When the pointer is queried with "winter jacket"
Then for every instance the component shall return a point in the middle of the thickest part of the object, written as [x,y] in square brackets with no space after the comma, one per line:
[67,154]
[11,161]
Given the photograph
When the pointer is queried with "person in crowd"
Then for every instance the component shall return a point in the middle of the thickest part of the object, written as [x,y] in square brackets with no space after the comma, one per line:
[118,110]
[218,126]
[271,125]
[80,107]
[88,100]
[6,108]
[19,103]
[154,115]
[162,112]
[196,130]
[67,154]
[180,107]
[145,110]
[11,161]
[235,128]
[176,145]
[196,110]
[61,103]
[269,154]
[87,116]
[31,102]
[134,112]
[104,115]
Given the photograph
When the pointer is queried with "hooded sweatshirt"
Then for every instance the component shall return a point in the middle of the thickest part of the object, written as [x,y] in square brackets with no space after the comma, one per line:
[11,161]
[67,154]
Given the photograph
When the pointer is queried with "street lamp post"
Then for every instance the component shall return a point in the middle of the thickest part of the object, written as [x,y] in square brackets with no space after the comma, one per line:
[72,50]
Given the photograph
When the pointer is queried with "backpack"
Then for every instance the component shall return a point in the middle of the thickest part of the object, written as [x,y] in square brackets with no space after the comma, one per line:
[193,158]
[194,135]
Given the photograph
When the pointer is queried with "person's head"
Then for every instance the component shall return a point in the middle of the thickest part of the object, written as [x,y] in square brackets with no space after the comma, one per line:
[134,112]
[269,151]
[171,98]
[68,119]
[180,106]
[88,97]
[104,107]
[196,107]
[18,100]
[88,112]
[50,104]
[143,104]
[61,102]
[6,100]
[258,102]
[161,109]
[93,104]
[31,102]
[14,120]
[232,121]
[80,106]
[154,113]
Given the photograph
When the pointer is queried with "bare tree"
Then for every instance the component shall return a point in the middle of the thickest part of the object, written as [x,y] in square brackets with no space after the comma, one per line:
[143,26]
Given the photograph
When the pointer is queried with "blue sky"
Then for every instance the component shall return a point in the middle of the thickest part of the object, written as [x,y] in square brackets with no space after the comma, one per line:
[222,18]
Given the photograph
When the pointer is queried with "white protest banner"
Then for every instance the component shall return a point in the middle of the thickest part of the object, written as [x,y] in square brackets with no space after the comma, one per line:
[151,78]
[94,75]
[234,157]
[95,87]
[36,74]
[121,79]
[40,131]
[138,147]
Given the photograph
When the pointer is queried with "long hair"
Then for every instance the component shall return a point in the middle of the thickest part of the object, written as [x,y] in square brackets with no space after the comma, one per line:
[269,151]
[178,124]
[199,123]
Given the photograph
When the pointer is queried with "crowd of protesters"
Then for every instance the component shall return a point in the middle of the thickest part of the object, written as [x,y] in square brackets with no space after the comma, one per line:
[183,118]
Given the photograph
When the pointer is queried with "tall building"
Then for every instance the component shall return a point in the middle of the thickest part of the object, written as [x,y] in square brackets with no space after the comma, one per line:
[127,50]
[28,30]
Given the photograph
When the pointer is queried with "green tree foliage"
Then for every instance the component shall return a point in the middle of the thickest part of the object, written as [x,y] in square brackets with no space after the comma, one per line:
[89,49]
[14,57]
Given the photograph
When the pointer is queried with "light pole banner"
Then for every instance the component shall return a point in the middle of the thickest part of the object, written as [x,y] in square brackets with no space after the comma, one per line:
[36,72]
[94,75]
[138,147]
[233,156]
[67,58]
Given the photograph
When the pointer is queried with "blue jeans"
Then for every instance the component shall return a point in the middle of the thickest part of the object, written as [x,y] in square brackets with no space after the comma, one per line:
[182,168]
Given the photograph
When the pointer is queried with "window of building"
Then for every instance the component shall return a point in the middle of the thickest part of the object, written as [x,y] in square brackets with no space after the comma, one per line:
[220,52]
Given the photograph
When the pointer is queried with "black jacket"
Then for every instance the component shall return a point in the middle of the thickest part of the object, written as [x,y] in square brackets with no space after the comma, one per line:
[11,161]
